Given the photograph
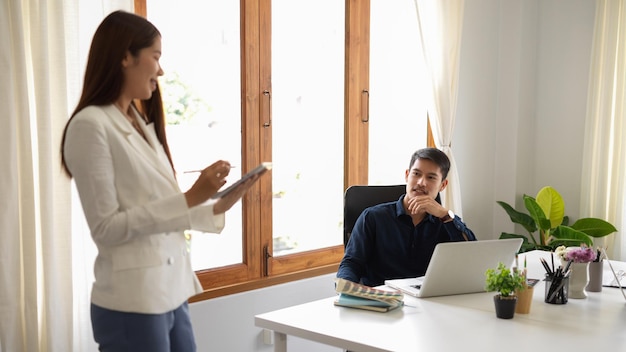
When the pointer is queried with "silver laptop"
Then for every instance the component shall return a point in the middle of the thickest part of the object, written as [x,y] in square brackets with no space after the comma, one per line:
[459,267]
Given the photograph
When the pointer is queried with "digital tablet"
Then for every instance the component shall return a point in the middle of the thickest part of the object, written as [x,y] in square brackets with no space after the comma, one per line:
[264,166]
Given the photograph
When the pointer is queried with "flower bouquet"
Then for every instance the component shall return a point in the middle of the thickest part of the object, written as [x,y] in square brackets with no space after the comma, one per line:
[578,258]
[582,254]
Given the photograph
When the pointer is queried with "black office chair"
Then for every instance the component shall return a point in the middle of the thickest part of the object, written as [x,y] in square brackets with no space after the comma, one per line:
[357,198]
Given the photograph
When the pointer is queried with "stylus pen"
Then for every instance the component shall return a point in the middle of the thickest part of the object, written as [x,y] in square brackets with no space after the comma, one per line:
[192,171]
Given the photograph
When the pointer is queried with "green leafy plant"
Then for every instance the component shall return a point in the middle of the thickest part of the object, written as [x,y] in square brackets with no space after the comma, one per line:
[503,280]
[546,216]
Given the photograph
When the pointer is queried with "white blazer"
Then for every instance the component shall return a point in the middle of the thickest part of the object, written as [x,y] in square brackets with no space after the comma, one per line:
[136,213]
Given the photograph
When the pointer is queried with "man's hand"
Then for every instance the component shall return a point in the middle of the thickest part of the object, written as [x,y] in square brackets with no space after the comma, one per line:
[425,204]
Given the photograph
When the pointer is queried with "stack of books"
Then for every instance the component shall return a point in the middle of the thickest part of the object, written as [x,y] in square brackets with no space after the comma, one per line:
[355,295]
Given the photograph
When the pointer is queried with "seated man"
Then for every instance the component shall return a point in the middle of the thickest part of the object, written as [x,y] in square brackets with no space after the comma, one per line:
[397,239]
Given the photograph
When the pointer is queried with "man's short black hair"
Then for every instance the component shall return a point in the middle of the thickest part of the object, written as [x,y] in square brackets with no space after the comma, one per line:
[436,156]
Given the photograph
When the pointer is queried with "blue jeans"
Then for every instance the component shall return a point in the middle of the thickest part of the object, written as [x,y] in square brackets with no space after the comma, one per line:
[116,331]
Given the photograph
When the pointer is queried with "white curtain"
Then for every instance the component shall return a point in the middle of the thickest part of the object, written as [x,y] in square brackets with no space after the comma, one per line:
[440,24]
[44,272]
[604,159]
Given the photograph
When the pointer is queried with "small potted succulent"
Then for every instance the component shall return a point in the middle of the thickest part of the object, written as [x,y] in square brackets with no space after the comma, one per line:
[506,282]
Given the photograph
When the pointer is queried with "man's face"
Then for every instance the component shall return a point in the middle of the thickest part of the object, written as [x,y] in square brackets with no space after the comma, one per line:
[424,178]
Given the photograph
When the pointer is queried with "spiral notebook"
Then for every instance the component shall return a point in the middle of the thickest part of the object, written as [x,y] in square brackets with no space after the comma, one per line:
[459,267]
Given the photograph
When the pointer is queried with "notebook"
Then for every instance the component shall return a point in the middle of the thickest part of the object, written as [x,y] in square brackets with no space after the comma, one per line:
[470,258]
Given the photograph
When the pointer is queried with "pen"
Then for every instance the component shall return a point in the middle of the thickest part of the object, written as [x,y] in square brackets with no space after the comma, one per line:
[557,289]
[545,265]
[569,263]
[192,171]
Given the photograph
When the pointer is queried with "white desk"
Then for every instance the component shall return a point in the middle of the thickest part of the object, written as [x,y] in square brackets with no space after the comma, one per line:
[460,323]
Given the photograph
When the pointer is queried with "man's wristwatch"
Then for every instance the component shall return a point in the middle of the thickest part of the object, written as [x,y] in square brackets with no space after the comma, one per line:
[448,217]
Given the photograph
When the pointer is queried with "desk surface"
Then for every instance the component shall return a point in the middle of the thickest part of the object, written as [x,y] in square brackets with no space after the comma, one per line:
[458,322]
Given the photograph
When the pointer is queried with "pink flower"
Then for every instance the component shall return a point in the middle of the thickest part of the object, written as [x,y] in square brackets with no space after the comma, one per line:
[581,254]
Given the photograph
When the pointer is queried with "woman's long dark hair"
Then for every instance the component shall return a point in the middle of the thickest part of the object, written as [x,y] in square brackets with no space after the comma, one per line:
[120,32]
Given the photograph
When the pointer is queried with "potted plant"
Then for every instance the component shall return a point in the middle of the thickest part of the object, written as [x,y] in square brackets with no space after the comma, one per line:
[506,282]
[546,215]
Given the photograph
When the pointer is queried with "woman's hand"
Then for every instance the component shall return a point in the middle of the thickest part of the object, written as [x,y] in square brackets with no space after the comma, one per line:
[227,201]
[211,179]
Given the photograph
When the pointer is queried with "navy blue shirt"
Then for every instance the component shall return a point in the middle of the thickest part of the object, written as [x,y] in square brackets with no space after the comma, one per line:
[384,244]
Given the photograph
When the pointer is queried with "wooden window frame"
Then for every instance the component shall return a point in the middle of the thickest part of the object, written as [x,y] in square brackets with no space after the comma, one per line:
[258,268]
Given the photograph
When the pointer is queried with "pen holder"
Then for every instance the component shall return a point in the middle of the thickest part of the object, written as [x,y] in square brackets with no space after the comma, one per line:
[556,289]
[524,299]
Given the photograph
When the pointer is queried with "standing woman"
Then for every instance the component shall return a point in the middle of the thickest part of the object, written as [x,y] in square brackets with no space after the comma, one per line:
[120,161]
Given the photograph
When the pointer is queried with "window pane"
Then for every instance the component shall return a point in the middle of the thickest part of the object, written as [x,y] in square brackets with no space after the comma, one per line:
[201,92]
[307,121]
[398,124]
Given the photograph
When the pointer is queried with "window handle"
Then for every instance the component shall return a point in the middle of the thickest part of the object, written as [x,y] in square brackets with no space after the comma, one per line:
[365,105]
[266,256]
[268,119]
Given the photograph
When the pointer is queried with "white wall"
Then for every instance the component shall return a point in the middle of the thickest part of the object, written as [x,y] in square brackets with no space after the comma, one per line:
[522,104]
[562,84]
[520,120]
[227,323]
